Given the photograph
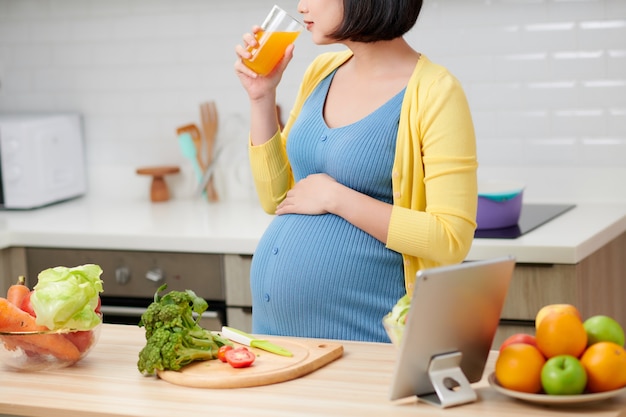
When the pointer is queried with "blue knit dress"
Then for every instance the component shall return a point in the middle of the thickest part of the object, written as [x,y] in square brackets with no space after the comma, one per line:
[319,276]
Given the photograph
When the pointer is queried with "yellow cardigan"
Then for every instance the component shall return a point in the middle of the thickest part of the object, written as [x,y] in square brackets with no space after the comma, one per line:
[434,172]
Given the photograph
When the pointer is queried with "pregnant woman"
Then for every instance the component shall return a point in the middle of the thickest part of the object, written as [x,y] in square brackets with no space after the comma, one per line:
[372,178]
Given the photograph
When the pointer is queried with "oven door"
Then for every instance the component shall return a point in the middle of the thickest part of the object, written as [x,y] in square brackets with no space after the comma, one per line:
[131,278]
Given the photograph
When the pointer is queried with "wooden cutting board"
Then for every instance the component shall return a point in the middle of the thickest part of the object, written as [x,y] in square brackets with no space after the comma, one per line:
[268,368]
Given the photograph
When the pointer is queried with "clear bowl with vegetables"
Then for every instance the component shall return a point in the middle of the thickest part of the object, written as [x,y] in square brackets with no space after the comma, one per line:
[394,322]
[54,325]
[46,349]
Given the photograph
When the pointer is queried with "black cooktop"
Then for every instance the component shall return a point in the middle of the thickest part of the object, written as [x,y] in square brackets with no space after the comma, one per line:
[531,217]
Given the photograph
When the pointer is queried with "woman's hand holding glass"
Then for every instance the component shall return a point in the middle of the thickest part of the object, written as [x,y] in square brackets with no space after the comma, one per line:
[258,86]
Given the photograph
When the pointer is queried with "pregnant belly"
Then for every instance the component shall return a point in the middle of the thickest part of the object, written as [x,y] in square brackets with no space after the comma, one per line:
[322,265]
[301,248]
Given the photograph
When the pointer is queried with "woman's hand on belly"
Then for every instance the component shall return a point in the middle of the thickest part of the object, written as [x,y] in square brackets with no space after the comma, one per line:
[321,194]
[311,195]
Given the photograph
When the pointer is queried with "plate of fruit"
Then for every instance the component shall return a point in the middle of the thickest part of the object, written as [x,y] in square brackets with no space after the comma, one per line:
[543,398]
[567,360]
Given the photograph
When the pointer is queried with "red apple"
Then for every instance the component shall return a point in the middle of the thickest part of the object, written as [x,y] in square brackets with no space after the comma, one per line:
[519,338]
[547,309]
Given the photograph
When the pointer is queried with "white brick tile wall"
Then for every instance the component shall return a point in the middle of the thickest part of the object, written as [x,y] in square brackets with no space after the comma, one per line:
[546,80]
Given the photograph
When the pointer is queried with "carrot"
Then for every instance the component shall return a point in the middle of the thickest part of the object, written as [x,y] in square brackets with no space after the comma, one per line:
[18,292]
[13,319]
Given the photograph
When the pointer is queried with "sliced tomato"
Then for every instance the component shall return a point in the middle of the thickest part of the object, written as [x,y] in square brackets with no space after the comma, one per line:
[82,340]
[240,357]
[221,353]
[98,306]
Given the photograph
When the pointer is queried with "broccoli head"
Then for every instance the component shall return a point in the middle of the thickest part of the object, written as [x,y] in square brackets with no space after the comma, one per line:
[174,338]
[174,310]
[172,350]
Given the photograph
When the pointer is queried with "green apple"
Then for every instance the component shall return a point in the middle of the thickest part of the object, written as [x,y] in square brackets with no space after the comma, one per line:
[603,329]
[563,375]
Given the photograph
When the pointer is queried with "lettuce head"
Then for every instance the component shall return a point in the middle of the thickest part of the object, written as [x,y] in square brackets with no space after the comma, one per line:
[400,311]
[65,298]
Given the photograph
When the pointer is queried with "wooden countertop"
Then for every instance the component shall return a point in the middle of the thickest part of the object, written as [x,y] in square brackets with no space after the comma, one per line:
[107,383]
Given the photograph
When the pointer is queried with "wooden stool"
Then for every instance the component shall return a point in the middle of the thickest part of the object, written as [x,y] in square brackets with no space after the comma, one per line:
[158,186]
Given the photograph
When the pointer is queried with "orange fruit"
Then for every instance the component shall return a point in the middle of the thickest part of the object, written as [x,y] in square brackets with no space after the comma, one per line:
[551,308]
[561,333]
[605,363]
[518,368]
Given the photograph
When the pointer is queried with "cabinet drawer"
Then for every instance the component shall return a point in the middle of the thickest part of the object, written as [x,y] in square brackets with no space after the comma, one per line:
[237,279]
[536,285]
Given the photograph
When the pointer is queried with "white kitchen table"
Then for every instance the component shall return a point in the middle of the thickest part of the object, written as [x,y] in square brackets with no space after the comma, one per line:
[196,226]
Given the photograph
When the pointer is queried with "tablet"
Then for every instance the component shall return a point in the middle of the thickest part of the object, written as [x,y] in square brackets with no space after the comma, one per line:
[454,315]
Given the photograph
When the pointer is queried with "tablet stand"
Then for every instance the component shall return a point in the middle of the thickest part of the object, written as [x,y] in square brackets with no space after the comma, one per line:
[450,383]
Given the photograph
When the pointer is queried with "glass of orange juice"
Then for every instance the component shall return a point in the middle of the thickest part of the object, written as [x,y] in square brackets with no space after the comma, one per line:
[277,32]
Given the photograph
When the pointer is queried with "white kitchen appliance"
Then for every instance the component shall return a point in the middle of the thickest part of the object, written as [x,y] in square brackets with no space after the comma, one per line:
[42,159]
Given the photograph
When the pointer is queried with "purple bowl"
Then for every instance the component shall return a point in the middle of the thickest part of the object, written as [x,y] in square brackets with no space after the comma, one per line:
[498,213]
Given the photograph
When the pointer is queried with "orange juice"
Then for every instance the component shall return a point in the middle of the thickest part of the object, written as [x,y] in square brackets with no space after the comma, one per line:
[270,51]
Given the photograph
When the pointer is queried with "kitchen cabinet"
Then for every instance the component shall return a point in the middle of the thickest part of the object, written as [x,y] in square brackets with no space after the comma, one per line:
[596,285]
[238,297]
[12,265]
[220,278]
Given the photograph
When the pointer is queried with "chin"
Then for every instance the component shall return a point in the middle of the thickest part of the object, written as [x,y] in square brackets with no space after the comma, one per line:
[322,40]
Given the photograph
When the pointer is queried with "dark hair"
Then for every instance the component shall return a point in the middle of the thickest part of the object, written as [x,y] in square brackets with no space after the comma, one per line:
[376,20]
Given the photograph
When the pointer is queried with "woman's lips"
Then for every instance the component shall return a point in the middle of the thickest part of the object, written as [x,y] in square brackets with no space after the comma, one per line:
[308,25]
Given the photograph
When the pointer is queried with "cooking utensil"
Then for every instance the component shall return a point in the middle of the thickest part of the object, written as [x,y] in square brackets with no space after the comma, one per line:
[208,116]
[188,148]
[246,339]
[208,174]
[196,137]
